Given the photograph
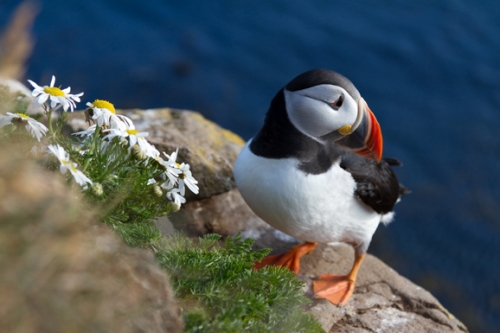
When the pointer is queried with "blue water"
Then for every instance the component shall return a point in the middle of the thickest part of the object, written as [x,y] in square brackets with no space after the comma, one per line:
[430,71]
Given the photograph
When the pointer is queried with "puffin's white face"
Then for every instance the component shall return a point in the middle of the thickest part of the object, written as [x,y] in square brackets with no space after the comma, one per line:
[322,110]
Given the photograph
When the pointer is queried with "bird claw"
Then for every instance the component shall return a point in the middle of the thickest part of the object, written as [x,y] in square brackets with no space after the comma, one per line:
[337,289]
[290,260]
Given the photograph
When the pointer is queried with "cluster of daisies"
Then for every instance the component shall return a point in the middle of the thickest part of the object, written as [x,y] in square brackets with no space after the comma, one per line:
[110,127]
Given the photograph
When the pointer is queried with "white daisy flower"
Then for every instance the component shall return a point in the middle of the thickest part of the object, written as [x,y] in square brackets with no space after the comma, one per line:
[187,179]
[143,149]
[80,177]
[35,128]
[149,149]
[134,137]
[175,196]
[67,164]
[171,173]
[125,123]
[172,158]
[144,144]
[104,114]
[56,96]
[168,184]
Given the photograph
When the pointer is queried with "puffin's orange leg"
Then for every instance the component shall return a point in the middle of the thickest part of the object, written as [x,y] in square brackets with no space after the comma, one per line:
[338,288]
[291,259]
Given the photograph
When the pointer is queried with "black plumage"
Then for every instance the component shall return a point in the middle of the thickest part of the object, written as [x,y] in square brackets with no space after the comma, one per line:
[376,183]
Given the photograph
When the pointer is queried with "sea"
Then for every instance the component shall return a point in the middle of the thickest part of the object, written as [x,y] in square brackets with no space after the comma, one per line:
[429,70]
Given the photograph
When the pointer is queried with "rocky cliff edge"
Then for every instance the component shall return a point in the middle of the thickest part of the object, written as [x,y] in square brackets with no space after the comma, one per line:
[383,300]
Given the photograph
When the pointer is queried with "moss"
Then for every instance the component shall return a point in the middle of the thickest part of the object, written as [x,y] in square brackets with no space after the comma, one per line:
[220,292]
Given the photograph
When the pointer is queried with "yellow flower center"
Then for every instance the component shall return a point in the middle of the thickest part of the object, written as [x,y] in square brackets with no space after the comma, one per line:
[102,104]
[24,116]
[131,131]
[54,91]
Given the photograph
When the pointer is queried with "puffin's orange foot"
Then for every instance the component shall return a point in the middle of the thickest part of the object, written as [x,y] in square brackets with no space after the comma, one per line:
[337,289]
[291,259]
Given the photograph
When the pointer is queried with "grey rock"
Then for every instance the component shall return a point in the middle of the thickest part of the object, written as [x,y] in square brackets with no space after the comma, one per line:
[225,214]
[325,313]
[383,301]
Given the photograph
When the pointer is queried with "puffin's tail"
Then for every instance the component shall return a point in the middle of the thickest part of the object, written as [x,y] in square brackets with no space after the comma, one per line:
[395,162]
[403,190]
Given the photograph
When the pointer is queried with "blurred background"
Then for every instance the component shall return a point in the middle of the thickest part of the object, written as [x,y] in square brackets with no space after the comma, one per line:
[429,70]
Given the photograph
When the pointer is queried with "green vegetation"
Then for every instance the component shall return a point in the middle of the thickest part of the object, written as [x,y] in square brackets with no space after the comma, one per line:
[221,292]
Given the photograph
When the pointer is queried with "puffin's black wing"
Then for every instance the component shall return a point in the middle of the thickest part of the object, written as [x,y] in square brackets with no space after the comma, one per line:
[377,185]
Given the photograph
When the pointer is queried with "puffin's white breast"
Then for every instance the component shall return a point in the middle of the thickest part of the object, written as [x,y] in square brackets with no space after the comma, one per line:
[314,208]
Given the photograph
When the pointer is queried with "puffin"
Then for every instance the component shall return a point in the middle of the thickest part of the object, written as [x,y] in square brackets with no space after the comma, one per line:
[315,172]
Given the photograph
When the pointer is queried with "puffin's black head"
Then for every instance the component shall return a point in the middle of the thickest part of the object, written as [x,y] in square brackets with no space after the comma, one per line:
[315,77]
[326,106]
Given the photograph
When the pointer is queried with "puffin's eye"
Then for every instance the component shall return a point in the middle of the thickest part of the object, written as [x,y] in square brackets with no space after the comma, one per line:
[338,103]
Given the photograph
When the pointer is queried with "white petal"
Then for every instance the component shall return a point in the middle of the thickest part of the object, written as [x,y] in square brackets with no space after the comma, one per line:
[36,86]
[64,103]
[81,178]
[76,97]
[42,98]
[132,140]
[53,101]
[5,120]
[182,188]
[191,185]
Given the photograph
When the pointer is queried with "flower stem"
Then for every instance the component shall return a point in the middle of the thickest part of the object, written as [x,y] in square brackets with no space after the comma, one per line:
[49,119]
[93,147]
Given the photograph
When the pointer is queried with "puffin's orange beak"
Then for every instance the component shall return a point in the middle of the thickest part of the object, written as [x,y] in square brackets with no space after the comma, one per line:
[366,139]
